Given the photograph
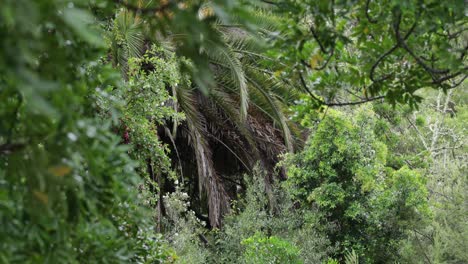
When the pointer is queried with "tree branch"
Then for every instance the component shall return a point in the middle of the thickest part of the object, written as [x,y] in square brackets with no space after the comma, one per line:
[373,21]
[356,102]
[332,52]
[303,82]
[321,102]
[376,64]
[401,42]
[314,34]
[420,135]
[451,76]
[9,148]
[270,2]
[390,51]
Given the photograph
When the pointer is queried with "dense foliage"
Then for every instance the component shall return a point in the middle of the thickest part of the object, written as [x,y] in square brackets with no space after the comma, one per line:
[67,187]
[371,50]
[343,173]
[142,131]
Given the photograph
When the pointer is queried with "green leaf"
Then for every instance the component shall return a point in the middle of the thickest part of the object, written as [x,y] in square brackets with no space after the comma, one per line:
[80,21]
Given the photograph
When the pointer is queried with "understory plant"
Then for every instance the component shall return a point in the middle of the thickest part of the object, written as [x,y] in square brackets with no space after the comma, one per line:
[256,219]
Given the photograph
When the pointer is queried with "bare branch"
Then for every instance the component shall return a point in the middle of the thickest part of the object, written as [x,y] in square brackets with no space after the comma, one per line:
[451,76]
[356,102]
[321,102]
[420,135]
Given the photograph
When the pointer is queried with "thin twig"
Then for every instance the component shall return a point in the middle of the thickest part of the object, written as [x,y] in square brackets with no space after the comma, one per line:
[356,102]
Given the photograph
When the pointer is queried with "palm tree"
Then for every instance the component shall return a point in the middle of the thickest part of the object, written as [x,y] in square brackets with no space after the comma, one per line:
[241,118]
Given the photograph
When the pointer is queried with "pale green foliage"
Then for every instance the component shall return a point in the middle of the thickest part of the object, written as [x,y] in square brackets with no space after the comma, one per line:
[255,216]
[332,261]
[450,219]
[269,250]
[250,216]
[147,102]
[342,173]
[442,143]
[351,257]
[184,228]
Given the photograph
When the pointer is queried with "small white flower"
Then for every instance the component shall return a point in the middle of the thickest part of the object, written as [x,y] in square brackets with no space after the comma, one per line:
[72,136]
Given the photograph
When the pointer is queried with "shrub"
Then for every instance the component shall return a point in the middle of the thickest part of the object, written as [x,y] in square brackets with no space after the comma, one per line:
[260,249]
[342,173]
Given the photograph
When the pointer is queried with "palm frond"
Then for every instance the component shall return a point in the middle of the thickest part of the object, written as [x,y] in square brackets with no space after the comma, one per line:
[225,57]
[208,179]
[130,29]
[218,203]
[276,111]
[227,104]
[242,41]
[351,257]
[262,19]
[127,39]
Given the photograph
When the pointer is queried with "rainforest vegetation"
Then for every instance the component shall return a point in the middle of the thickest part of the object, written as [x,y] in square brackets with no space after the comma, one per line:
[233,131]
